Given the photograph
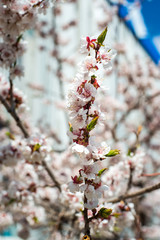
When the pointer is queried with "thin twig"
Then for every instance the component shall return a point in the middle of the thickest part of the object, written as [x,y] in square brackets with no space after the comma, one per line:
[150,98]
[150,174]
[11,94]
[33,6]
[122,118]
[135,194]
[130,179]
[137,222]
[50,173]
[15,116]
[59,60]
[133,107]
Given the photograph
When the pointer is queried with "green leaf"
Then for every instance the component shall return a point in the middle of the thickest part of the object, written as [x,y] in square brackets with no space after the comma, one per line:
[70,127]
[101,172]
[116,215]
[129,152]
[113,153]
[12,200]
[10,135]
[93,76]
[36,147]
[19,38]
[116,229]
[92,124]
[35,219]
[102,36]
[105,212]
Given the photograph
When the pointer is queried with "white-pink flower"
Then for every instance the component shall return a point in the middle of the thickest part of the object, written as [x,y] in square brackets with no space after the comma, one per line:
[87,92]
[93,192]
[89,65]
[78,119]
[91,204]
[73,187]
[91,170]
[86,43]
[98,150]
[80,149]
[106,55]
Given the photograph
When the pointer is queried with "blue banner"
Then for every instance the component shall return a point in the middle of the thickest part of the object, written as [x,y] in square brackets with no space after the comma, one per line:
[143,18]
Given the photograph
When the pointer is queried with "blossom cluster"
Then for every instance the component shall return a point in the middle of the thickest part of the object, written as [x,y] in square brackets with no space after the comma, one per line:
[118,175]
[26,190]
[5,219]
[18,98]
[9,53]
[32,150]
[16,17]
[15,192]
[124,213]
[83,119]
[36,149]
[10,154]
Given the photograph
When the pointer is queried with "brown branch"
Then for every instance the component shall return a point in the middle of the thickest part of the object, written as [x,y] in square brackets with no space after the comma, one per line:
[15,116]
[86,219]
[150,174]
[133,107]
[130,179]
[137,222]
[122,118]
[11,94]
[135,194]
[33,6]
[50,173]
[150,98]
[58,59]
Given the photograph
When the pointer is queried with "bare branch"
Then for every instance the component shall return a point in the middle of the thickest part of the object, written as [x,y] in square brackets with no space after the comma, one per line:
[135,194]
[150,98]
[50,173]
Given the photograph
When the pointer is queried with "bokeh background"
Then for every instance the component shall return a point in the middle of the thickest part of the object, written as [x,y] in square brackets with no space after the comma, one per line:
[133,87]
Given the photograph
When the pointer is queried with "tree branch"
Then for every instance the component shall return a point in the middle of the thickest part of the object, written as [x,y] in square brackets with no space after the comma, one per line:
[11,94]
[133,107]
[86,219]
[15,116]
[50,173]
[150,98]
[135,194]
